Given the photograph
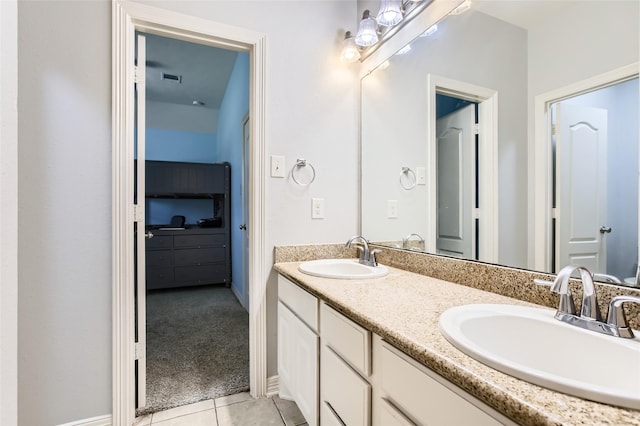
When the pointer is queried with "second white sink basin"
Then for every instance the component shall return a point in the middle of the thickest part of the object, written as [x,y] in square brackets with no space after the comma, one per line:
[530,344]
[346,269]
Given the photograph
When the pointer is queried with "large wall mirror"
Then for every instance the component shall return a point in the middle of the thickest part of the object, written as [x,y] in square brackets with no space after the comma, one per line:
[509,135]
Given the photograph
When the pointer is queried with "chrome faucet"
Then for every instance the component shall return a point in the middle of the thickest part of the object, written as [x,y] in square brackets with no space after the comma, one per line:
[560,286]
[367,257]
[405,240]
[589,318]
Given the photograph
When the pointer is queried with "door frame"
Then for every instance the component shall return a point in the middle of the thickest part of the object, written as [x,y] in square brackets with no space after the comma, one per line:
[127,18]
[487,100]
[541,166]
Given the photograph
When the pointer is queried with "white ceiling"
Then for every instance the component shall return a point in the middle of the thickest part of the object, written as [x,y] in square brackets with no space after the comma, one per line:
[205,71]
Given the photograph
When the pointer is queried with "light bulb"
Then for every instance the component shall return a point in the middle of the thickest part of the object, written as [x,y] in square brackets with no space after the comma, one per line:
[390,13]
[367,31]
[350,52]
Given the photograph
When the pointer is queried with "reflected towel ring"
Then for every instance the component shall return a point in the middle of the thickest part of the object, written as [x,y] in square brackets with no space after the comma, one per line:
[411,175]
[303,163]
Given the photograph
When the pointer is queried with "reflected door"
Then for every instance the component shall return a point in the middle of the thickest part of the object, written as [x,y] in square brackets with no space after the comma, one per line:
[455,234]
[581,187]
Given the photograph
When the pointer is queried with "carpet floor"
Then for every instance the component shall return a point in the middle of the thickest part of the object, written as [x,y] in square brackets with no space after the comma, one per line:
[197,346]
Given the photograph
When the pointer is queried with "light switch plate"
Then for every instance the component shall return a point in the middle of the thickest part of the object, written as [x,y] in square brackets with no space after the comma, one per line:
[392,209]
[277,166]
[317,208]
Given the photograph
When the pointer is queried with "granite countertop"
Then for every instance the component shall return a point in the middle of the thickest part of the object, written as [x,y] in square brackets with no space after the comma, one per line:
[404,307]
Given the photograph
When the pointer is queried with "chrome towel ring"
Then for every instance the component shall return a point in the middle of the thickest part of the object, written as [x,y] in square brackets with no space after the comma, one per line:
[407,178]
[300,163]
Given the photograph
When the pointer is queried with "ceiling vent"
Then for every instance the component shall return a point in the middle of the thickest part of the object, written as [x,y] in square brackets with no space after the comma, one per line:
[172,78]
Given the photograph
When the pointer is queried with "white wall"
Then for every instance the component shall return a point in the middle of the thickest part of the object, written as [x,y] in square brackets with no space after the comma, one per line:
[64,306]
[8,211]
[65,176]
[186,118]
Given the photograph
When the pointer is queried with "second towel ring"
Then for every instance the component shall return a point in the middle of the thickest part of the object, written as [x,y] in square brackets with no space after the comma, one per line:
[303,163]
[408,172]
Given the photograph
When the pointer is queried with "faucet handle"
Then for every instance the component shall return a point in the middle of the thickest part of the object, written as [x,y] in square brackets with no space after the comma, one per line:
[616,317]
[372,257]
[567,306]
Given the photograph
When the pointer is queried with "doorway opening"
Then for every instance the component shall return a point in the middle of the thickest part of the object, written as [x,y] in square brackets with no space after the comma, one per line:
[594,146]
[457,170]
[129,17]
[196,308]
[473,232]
[553,196]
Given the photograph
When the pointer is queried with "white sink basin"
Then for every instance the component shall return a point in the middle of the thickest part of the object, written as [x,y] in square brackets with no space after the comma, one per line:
[530,344]
[346,269]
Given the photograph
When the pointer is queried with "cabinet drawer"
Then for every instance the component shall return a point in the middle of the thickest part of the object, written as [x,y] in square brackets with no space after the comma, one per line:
[422,395]
[159,258]
[199,240]
[157,276]
[346,338]
[388,415]
[328,417]
[301,303]
[205,273]
[159,242]
[201,256]
[348,394]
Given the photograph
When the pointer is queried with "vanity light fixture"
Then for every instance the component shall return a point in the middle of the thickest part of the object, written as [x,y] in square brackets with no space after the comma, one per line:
[367,31]
[390,13]
[466,5]
[350,52]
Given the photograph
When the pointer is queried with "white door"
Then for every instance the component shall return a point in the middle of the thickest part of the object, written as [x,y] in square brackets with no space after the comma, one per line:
[139,227]
[581,187]
[455,137]
[246,152]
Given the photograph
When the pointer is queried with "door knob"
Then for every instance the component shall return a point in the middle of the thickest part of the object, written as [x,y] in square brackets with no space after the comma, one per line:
[243,227]
[604,229]
[148,235]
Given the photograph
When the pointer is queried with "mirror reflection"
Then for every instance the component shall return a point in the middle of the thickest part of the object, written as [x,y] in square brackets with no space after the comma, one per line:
[452,143]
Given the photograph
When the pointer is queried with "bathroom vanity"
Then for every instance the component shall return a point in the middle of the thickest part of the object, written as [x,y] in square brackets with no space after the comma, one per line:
[374,355]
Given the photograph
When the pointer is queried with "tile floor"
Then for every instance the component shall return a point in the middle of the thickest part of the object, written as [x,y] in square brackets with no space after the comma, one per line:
[232,410]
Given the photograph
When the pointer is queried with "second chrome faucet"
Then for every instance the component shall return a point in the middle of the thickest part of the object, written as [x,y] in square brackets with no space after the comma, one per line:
[367,256]
[590,317]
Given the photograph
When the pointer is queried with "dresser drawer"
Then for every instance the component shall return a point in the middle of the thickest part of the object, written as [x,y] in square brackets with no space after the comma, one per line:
[201,256]
[303,304]
[348,394]
[199,240]
[159,242]
[346,338]
[204,274]
[158,276]
[422,395]
[159,258]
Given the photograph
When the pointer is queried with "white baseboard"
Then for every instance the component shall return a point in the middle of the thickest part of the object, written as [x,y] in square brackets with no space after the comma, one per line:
[93,421]
[273,385]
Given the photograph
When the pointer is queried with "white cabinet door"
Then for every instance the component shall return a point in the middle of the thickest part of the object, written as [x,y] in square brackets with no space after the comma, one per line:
[298,363]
